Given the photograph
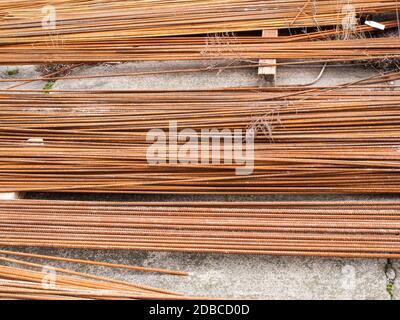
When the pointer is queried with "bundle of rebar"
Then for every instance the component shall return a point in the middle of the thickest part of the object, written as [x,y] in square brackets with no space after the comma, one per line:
[318,140]
[124,118]
[25,21]
[324,140]
[208,48]
[368,229]
[38,281]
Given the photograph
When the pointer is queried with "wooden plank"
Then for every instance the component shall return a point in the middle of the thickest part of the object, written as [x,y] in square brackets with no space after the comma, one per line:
[268,72]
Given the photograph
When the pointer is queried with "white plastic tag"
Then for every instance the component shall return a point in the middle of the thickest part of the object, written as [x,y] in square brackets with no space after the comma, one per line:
[375,25]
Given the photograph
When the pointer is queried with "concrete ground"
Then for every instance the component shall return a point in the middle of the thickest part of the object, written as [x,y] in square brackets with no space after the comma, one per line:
[224,276]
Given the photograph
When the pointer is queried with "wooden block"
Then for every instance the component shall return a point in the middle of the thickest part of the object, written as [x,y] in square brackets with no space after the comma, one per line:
[11,195]
[269,72]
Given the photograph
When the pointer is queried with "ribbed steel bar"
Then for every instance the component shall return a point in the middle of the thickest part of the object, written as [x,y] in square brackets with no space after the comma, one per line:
[24,283]
[76,20]
[205,48]
[308,140]
[342,229]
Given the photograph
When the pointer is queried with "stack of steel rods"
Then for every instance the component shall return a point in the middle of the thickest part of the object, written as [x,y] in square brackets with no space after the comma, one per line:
[283,169]
[125,118]
[219,46]
[334,228]
[51,283]
[76,20]
[319,140]
[209,48]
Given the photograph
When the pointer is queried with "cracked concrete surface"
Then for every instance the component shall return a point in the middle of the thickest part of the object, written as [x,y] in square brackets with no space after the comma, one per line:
[224,276]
